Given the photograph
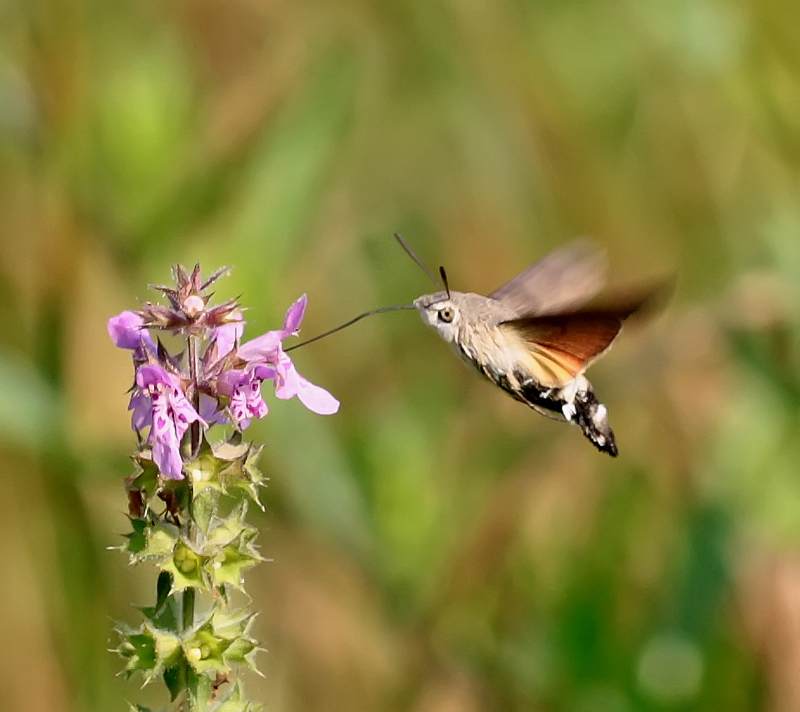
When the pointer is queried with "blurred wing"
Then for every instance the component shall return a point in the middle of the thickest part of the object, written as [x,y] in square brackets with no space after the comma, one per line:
[565,279]
[563,345]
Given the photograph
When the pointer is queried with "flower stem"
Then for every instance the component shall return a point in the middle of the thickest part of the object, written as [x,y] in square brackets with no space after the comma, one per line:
[194,369]
[188,608]
[194,429]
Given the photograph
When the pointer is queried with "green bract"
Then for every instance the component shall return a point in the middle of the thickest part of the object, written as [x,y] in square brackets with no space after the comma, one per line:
[207,553]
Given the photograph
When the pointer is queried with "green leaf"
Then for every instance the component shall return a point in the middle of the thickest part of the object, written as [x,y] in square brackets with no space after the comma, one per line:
[235,626]
[163,588]
[232,624]
[224,594]
[179,492]
[167,645]
[234,468]
[174,678]
[204,650]
[139,652]
[243,651]
[145,477]
[187,568]
[234,702]
[161,540]
[234,559]
[137,539]
[226,530]
[200,688]
[251,477]
[167,615]
[204,506]
[204,470]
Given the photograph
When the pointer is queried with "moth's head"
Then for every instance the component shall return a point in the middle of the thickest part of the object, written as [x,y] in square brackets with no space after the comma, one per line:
[441,311]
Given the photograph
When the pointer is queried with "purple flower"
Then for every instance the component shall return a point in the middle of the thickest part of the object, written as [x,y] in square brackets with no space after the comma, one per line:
[289,383]
[228,335]
[265,359]
[126,332]
[243,386]
[160,404]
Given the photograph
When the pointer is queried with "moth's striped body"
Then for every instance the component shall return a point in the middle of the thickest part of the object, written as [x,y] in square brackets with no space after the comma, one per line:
[530,338]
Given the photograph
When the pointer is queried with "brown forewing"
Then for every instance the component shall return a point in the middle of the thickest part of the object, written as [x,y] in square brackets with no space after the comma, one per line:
[565,344]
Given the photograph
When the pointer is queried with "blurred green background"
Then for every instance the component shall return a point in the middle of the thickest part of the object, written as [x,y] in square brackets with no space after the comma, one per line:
[436,547]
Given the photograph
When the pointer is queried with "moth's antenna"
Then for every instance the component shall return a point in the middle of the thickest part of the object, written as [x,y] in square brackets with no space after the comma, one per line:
[414,257]
[349,323]
[443,275]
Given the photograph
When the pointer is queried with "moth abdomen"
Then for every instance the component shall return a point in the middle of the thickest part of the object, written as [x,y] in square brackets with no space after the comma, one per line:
[542,398]
[592,417]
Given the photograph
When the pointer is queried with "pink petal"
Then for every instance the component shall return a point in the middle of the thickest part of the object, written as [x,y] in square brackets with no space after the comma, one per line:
[229,381]
[227,335]
[287,379]
[316,399]
[255,402]
[239,411]
[294,316]
[165,441]
[126,331]
[209,411]
[262,348]
[151,374]
[166,454]
[142,415]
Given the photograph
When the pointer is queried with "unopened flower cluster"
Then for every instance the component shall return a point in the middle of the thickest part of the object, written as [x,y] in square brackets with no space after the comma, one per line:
[188,495]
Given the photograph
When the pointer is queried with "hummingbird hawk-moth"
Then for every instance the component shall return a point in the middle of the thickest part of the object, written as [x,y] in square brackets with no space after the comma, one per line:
[536,335]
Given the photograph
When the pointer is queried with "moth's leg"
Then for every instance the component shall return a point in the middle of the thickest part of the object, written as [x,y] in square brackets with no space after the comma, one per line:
[568,394]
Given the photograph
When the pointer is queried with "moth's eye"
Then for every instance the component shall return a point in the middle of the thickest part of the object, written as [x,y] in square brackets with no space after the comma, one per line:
[446,315]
